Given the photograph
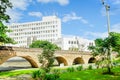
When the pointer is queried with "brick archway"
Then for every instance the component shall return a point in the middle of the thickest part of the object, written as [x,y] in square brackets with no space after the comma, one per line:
[61,59]
[28,58]
[31,61]
[78,60]
[92,60]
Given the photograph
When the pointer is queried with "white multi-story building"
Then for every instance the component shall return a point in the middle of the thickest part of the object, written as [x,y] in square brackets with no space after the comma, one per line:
[74,43]
[49,28]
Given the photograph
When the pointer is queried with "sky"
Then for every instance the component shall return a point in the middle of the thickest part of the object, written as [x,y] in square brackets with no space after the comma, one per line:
[83,18]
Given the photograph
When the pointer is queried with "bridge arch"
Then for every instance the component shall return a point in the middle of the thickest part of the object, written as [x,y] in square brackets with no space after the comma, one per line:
[78,60]
[30,60]
[61,59]
[92,60]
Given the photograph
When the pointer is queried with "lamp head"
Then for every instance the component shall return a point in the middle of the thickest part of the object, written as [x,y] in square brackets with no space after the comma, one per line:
[103,2]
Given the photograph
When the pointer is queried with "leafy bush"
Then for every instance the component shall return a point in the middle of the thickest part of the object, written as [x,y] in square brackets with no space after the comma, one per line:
[42,75]
[70,69]
[38,74]
[90,67]
[56,71]
[79,68]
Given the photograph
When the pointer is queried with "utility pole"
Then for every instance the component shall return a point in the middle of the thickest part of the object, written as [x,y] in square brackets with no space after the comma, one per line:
[107,7]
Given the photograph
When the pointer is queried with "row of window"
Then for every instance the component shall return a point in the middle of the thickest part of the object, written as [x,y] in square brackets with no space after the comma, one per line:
[45,27]
[39,36]
[72,42]
[91,44]
[73,49]
[35,24]
[34,28]
[37,32]
[76,42]
[49,35]
[21,42]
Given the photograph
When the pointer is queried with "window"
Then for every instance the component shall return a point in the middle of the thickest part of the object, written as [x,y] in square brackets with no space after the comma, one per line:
[74,42]
[68,42]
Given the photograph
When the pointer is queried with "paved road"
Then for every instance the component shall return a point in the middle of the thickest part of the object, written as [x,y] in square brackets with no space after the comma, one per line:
[15,64]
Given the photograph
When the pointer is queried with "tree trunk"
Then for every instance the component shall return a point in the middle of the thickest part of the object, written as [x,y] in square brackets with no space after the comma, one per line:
[109,69]
[109,59]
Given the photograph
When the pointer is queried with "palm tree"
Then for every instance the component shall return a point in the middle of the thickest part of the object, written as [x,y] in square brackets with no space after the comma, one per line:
[103,48]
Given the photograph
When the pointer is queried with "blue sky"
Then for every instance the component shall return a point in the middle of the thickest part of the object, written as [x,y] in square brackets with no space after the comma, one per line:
[84,18]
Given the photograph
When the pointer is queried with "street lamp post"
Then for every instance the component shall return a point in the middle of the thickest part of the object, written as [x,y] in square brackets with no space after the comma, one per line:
[108,18]
[107,7]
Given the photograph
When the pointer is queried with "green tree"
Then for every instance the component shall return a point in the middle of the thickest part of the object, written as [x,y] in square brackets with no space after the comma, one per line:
[47,56]
[98,48]
[44,45]
[115,41]
[103,48]
[4,4]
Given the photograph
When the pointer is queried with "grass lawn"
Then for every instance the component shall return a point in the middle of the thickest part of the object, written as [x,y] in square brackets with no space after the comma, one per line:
[96,74]
[15,73]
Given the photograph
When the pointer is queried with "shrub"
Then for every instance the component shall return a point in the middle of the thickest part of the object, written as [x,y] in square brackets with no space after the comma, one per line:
[70,69]
[56,71]
[38,74]
[79,68]
[90,67]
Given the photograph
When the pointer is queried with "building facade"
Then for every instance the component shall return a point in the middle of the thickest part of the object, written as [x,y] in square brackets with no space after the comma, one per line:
[49,28]
[74,43]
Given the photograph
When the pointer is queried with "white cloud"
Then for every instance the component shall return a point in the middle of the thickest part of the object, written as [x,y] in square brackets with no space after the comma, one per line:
[115,2]
[96,34]
[36,14]
[45,1]
[14,15]
[61,2]
[116,28]
[84,21]
[20,4]
[91,25]
[73,16]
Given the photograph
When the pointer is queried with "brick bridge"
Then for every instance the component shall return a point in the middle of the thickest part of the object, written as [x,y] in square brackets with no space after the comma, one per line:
[31,55]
